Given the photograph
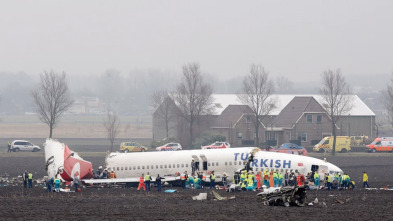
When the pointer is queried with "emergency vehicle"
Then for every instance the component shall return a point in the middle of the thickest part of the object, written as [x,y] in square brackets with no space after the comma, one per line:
[381,144]
[343,144]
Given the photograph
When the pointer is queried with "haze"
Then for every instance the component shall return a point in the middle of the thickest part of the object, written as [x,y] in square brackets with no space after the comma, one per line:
[295,39]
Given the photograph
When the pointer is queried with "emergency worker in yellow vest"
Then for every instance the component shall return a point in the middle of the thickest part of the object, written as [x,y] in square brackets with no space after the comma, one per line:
[250,184]
[275,178]
[147,181]
[212,180]
[328,181]
[266,178]
[30,179]
[280,179]
[243,176]
[316,179]
[365,180]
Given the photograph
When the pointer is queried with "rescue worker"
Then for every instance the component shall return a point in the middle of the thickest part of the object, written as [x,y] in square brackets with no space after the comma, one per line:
[112,174]
[275,179]
[25,177]
[258,178]
[105,174]
[345,181]
[351,185]
[212,180]
[316,179]
[365,180]
[328,181]
[280,179]
[9,146]
[292,179]
[271,180]
[49,185]
[286,178]
[141,182]
[348,181]
[184,178]
[201,179]
[266,178]
[76,183]
[298,181]
[30,180]
[99,173]
[57,184]
[236,177]
[224,179]
[243,176]
[198,182]
[147,181]
[243,185]
[193,168]
[158,182]
[250,185]
[191,182]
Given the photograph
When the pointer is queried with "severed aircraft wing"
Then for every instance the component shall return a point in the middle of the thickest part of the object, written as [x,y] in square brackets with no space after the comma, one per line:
[128,180]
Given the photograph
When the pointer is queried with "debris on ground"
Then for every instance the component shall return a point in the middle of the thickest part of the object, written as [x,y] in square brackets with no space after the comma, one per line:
[218,197]
[201,196]
[284,196]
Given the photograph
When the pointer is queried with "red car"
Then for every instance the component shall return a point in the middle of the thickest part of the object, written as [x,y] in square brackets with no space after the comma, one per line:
[217,145]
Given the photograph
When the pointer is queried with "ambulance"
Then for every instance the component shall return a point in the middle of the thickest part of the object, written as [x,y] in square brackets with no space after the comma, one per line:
[343,144]
[381,144]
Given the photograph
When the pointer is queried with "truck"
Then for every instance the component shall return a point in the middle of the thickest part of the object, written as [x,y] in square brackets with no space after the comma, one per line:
[381,144]
[343,144]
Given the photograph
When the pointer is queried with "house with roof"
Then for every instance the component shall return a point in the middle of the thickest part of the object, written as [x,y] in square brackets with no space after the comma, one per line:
[296,118]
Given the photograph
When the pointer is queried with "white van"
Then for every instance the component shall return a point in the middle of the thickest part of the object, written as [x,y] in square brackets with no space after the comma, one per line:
[23,145]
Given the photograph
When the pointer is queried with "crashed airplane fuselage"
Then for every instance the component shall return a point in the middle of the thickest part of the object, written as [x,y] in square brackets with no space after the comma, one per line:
[60,160]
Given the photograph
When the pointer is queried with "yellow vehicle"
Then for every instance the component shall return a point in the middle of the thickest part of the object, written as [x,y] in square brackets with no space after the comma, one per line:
[358,140]
[343,144]
[132,147]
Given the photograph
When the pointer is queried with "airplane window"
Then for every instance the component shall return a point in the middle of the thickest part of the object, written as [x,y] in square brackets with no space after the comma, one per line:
[186,164]
[217,164]
[226,163]
[282,170]
[169,166]
[147,167]
[156,166]
[143,167]
[212,164]
[230,163]
[160,166]
[296,171]
[139,167]
[174,165]
[165,166]
[117,168]
[235,163]
[244,162]
[208,164]
[178,165]
[125,168]
[121,168]
[182,165]
[134,168]
[152,166]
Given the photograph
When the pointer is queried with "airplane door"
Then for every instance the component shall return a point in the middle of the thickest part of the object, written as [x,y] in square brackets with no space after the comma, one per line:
[204,160]
[196,160]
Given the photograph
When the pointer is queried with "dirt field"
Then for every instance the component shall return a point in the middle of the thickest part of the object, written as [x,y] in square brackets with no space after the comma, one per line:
[130,204]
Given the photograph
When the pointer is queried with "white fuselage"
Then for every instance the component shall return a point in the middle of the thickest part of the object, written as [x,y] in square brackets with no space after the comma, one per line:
[220,161]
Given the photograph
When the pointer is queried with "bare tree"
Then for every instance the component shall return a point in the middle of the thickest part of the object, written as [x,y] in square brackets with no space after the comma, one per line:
[257,92]
[193,96]
[387,100]
[336,98]
[164,108]
[51,98]
[111,125]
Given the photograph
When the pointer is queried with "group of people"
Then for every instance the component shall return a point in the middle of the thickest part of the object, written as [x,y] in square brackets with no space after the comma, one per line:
[145,182]
[104,174]
[27,179]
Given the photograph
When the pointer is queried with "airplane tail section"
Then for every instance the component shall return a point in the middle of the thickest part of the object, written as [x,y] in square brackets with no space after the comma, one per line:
[60,160]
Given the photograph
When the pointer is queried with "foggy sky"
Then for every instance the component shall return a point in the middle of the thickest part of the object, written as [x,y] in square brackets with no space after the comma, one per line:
[295,39]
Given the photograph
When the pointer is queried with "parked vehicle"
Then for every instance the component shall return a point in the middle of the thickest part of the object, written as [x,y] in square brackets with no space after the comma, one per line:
[217,145]
[381,144]
[343,144]
[132,147]
[358,140]
[169,147]
[290,148]
[23,145]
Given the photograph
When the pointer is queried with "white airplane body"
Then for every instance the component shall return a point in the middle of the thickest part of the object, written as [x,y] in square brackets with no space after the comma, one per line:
[130,166]
[170,164]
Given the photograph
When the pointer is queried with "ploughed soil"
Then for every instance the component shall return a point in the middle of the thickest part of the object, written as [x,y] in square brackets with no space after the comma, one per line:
[17,203]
